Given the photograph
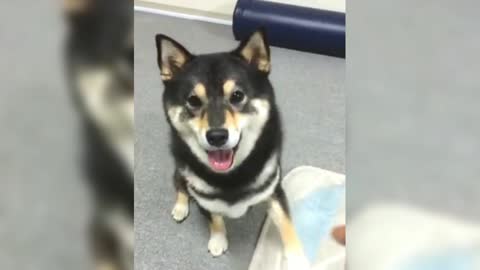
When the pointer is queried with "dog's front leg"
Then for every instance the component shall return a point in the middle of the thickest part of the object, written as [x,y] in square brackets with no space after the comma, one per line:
[218,243]
[280,215]
[181,209]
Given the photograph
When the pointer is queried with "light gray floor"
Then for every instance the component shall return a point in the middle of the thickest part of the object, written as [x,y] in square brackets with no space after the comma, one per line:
[310,92]
[43,199]
[413,118]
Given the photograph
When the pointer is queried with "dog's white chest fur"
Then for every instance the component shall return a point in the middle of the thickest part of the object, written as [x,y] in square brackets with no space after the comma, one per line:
[239,208]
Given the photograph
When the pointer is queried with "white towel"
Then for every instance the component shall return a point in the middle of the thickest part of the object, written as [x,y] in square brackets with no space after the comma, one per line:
[317,203]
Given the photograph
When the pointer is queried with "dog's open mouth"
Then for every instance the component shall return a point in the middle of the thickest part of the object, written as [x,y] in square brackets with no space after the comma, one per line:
[221,160]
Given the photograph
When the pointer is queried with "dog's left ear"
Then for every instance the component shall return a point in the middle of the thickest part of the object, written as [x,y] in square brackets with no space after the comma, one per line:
[171,56]
[255,51]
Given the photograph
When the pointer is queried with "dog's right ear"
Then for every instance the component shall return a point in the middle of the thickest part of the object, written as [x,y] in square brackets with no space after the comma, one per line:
[171,56]
[255,50]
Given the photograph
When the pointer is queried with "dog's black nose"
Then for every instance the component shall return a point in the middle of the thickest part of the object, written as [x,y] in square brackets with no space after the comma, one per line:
[217,137]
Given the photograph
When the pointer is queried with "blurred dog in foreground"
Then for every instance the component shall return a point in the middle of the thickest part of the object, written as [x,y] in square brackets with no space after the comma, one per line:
[99,63]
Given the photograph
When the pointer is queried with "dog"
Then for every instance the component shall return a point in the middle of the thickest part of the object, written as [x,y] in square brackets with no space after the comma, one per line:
[226,136]
[99,69]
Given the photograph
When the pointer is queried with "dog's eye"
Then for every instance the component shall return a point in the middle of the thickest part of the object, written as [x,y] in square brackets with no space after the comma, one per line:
[194,102]
[237,97]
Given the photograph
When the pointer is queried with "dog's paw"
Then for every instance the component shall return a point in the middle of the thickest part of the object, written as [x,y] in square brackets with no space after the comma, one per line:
[180,212]
[218,244]
[297,262]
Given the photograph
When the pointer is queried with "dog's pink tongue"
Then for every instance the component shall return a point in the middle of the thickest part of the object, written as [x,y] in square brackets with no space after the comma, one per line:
[220,160]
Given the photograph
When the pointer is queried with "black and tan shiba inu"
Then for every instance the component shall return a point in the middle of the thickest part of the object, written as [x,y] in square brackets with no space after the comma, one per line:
[225,136]
[99,62]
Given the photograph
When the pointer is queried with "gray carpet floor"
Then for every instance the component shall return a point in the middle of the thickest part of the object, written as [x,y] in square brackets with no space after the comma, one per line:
[310,93]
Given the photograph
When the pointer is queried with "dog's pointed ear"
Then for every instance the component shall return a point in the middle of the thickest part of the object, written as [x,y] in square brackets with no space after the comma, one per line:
[255,50]
[171,56]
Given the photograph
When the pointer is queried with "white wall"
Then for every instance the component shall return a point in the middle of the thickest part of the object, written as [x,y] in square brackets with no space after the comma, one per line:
[223,9]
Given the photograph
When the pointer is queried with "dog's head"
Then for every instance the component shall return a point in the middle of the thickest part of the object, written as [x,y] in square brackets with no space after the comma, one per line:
[100,68]
[217,103]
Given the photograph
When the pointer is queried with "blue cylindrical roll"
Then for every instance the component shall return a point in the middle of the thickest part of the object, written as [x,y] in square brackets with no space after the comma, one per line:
[293,27]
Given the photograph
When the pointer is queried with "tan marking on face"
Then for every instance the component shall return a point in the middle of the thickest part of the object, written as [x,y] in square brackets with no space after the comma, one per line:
[200,91]
[228,87]
[289,236]
[201,122]
[231,120]
[217,225]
